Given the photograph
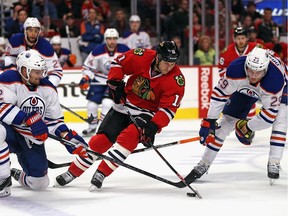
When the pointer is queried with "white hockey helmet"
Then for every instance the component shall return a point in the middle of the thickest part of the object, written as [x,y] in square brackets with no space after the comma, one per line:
[111,33]
[55,40]
[30,59]
[134,18]
[31,22]
[257,60]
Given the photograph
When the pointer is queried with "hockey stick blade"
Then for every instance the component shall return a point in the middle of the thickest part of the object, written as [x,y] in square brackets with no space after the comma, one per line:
[88,120]
[52,165]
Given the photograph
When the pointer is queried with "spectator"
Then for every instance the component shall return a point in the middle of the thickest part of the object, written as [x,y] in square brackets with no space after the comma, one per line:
[183,58]
[205,55]
[253,36]
[26,5]
[136,38]
[92,33]
[64,55]
[17,27]
[238,11]
[68,6]
[149,28]
[101,6]
[74,31]
[48,29]
[268,29]
[247,21]
[167,9]
[120,22]
[39,7]
[9,22]
[2,51]
[251,10]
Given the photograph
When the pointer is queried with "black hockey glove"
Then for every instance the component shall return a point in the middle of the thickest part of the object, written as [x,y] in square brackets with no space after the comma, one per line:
[207,130]
[147,130]
[117,91]
[245,138]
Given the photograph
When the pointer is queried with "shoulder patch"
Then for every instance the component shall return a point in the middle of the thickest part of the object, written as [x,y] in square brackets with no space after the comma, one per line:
[180,80]
[139,51]
[224,50]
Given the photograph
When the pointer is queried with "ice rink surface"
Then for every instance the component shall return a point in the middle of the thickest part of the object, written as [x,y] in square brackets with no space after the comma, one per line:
[236,184]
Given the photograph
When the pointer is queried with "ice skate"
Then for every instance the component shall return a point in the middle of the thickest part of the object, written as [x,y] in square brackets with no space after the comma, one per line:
[273,171]
[197,172]
[5,187]
[15,173]
[97,180]
[64,179]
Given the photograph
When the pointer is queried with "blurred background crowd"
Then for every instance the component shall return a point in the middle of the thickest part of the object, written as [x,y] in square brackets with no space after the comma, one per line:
[210,22]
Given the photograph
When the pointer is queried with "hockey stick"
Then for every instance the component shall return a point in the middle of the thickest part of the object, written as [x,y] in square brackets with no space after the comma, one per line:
[120,163]
[88,120]
[52,165]
[195,192]
[68,36]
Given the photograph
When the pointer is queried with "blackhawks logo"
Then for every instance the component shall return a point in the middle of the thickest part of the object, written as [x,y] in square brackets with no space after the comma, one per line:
[139,51]
[141,87]
[180,80]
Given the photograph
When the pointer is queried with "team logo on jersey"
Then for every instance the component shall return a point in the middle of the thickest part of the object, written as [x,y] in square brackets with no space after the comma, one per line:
[141,87]
[139,51]
[107,65]
[33,103]
[180,80]
[249,92]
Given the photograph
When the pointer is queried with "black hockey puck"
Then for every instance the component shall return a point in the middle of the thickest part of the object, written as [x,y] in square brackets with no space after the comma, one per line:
[191,194]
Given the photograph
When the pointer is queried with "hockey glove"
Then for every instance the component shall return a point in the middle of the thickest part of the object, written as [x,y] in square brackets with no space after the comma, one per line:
[84,83]
[207,130]
[38,127]
[117,91]
[80,145]
[244,137]
[147,131]
[72,59]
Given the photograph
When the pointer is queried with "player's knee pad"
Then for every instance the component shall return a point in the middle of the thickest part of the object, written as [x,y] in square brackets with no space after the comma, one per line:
[92,108]
[129,137]
[99,143]
[38,183]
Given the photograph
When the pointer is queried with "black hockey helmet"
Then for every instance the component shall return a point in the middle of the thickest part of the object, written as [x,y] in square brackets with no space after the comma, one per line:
[168,51]
[240,31]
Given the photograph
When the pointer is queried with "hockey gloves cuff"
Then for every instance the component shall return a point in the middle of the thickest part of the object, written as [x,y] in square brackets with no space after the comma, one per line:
[80,145]
[38,127]
[117,91]
[243,132]
[207,130]
[84,83]
[147,131]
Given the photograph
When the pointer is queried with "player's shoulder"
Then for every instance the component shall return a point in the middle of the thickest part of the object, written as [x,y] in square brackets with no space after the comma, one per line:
[236,68]
[10,77]
[44,47]
[65,51]
[122,48]
[176,78]
[17,39]
[227,48]
[274,80]
[46,83]
[99,50]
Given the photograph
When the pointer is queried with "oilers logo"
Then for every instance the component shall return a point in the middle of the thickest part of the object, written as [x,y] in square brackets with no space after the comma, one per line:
[33,103]
[107,65]
[249,92]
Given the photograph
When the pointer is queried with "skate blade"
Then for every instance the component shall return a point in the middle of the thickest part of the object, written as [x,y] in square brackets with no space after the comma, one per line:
[93,188]
[5,192]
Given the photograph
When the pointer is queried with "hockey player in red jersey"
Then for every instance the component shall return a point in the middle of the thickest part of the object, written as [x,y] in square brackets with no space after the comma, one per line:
[152,94]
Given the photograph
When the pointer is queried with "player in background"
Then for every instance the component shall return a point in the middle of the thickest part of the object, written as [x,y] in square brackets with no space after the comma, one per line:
[64,55]
[152,94]
[30,110]
[95,72]
[257,76]
[136,38]
[30,39]
[240,47]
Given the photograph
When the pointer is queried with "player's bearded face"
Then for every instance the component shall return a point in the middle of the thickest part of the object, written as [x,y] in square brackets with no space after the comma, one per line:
[165,67]
[35,76]
[241,41]
[254,76]
[32,35]
[111,43]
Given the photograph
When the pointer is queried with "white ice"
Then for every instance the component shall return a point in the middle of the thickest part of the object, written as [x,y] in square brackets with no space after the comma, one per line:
[236,184]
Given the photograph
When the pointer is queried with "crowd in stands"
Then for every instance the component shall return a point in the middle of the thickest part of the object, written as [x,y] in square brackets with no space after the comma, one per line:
[88,20]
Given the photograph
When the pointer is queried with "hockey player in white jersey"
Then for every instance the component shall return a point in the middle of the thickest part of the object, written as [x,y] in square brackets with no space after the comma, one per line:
[29,110]
[135,37]
[31,39]
[257,76]
[95,73]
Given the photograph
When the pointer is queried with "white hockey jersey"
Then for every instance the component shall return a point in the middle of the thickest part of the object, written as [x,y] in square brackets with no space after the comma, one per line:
[139,39]
[17,97]
[97,64]
[268,90]
[17,44]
